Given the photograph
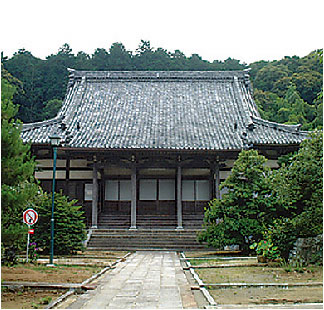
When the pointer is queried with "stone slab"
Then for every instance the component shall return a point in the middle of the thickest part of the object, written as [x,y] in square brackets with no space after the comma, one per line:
[146,280]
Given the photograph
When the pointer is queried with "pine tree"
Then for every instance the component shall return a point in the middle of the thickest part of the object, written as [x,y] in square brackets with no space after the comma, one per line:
[18,188]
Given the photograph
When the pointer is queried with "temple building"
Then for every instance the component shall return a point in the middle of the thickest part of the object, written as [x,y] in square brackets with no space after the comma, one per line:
[150,148]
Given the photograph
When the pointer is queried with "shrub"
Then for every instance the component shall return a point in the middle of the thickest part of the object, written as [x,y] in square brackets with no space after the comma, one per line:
[298,184]
[303,186]
[9,255]
[33,252]
[241,215]
[69,226]
[265,247]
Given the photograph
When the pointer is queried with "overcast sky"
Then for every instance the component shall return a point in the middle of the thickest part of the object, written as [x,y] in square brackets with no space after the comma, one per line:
[248,30]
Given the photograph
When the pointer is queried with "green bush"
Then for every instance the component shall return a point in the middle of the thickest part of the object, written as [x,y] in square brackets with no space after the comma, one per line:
[284,235]
[69,226]
[249,206]
[298,184]
[265,247]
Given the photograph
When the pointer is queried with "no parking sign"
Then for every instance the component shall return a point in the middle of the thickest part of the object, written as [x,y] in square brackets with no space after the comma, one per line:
[30,217]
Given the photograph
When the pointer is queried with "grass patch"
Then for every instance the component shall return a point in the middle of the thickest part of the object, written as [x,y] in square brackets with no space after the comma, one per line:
[259,275]
[28,299]
[193,254]
[40,273]
[268,295]
[219,261]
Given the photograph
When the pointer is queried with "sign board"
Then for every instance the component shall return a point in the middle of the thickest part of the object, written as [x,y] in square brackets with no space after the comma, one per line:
[30,217]
[31,231]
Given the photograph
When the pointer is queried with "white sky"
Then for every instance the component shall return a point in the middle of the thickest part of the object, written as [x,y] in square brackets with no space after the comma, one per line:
[248,30]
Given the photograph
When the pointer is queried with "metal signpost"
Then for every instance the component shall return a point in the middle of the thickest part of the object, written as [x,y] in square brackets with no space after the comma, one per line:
[30,217]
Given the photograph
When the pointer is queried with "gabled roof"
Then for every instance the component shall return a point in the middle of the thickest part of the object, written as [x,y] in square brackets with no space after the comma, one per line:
[169,110]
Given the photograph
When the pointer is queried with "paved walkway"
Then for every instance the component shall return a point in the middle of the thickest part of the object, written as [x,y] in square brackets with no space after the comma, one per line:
[147,279]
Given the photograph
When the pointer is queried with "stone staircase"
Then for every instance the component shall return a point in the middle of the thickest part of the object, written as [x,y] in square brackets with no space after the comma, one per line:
[144,239]
[109,221]
[154,232]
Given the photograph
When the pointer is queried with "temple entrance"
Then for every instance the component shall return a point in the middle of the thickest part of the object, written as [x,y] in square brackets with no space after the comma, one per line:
[156,196]
[136,197]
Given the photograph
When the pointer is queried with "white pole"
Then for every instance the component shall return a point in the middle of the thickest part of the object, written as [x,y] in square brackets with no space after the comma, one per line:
[27,243]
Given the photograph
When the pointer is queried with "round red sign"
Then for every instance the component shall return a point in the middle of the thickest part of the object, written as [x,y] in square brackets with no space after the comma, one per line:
[30,217]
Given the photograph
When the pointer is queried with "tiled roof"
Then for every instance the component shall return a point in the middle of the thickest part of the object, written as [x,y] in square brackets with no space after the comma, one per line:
[160,110]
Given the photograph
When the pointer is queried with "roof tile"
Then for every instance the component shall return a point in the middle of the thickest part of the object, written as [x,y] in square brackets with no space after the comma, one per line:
[160,110]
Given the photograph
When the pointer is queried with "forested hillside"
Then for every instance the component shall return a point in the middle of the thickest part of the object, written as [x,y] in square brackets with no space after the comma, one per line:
[286,91]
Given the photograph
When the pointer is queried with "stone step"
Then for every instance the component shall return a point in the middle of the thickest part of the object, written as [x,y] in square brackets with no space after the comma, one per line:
[139,217]
[153,224]
[144,238]
[141,242]
[145,245]
[137,233]
[162,217]
[144,218]
[136,248]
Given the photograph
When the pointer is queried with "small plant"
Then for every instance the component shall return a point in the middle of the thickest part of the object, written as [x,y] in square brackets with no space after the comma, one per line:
[297,266]
[9,255]
[266,248]
[33,254]
[42,301]
[286,266]
[45,300]
[35,306]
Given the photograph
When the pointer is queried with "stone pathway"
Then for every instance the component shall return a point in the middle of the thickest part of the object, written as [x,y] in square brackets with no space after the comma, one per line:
[147,279]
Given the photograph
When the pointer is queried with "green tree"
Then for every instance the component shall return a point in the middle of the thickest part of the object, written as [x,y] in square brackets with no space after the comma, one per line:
[55,75]
[308,84]
[51,108]
[268,75]
[119,58]
[25,67]
[298,186]
[179,61]
[82,61]
[196,63]
[143,58]
[241,215]
[303,185]
[18,189]
[100,59]
[268,104]
[290,109]
[69,229]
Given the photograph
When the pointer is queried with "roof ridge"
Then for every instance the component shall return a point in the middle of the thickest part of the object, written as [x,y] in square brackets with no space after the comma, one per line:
[28,126]
[157,74]
[244,104]
[285,127]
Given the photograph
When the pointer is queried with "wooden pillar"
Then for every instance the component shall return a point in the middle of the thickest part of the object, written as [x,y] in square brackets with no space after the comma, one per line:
[179,198]
[67,177]
[102,191]
[134,198]
[217,180]
[94,196]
